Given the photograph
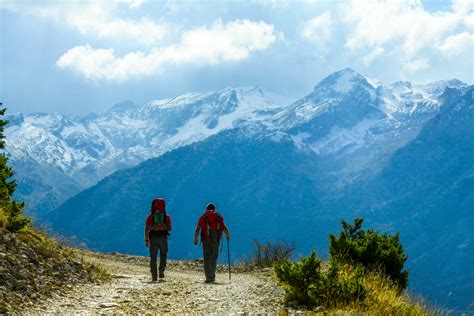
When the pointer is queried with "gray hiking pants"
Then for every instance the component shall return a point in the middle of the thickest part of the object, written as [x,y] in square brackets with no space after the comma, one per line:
[158,243]
[210,250]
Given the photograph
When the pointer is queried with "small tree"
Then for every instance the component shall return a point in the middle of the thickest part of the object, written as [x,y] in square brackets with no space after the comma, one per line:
[9,209]
[268,253]
[371,250]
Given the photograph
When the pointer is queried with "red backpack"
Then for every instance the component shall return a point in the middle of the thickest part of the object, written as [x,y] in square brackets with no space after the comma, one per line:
[213,226]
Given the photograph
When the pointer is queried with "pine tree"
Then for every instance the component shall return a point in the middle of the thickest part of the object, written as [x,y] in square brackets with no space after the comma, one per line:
[10,209]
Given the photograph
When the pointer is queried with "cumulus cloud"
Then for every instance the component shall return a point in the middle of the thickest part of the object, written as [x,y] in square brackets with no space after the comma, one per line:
[457,44]
[232,41]
[318,29]
[403,23]
[96,18]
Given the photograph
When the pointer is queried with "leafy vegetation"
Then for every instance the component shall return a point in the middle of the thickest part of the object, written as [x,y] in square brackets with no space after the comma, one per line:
[364,274]
[11,212]
[311,284]
[370,249]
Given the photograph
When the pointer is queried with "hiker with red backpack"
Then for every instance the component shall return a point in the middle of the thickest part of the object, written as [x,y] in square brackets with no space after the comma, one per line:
[157,228]
[211,225]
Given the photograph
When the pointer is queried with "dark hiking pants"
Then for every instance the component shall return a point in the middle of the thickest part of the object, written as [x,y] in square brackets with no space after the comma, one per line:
[158,243]
[210,251]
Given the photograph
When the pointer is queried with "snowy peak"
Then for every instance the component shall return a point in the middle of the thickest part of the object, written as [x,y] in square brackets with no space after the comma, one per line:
[343,81]
[256,96]
[343,97]
[262,98]
[403,98]
[437,88]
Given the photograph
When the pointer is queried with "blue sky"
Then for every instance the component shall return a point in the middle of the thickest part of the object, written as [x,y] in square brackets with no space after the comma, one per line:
[77,57]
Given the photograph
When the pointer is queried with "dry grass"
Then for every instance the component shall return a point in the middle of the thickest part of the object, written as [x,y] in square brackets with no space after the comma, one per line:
[381,297]
[3,218]
[384,298]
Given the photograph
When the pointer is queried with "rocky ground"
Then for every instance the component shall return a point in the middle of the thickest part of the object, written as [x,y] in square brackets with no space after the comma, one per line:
[182,291]
[33,268]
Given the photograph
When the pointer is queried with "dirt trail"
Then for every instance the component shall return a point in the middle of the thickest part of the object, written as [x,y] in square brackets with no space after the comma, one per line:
[182,291]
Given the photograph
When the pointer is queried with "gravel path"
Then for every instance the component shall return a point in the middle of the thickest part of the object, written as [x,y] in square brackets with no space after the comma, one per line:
[182,291]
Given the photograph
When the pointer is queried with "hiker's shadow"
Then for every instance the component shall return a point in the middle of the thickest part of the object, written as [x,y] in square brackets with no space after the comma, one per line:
[154,282]
[215,283]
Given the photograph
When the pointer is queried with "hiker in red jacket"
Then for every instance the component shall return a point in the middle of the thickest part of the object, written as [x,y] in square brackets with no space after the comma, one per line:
[157,228]
[211,225]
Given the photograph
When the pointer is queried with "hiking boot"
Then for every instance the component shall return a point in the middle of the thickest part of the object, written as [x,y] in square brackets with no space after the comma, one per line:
[162,275]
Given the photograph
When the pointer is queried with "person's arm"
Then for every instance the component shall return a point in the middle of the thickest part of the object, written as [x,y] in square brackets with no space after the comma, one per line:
[198,229]
[196,234]
[147,238]
[226,231]
[168,222]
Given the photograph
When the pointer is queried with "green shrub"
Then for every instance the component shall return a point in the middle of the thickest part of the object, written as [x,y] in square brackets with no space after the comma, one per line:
[309,283]
[16,221]
[3,218]
[11,210]
[370,249]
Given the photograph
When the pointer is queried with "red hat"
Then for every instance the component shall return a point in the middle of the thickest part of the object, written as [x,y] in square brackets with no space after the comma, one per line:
[158,204]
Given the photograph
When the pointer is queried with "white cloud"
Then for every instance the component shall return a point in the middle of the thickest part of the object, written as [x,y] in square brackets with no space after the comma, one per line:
[134,4]
[402,23]
[233,41]
[374,54]
[457,44]
[416,65]
[96,18]
[102,25]
[463,6]
[318,29]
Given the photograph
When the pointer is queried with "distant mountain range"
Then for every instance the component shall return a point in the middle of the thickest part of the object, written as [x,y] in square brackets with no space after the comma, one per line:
[400,156]
[57,156]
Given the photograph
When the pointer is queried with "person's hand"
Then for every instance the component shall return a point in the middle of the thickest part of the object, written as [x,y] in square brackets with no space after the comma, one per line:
[227,236]
[195,241]
[147,243]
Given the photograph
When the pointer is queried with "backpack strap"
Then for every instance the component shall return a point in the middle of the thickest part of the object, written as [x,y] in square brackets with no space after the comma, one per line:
[220,226]
[208,227]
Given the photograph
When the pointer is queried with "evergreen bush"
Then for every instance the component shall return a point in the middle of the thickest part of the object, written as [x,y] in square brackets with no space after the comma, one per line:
[12,212]
[370,249]
[309,283]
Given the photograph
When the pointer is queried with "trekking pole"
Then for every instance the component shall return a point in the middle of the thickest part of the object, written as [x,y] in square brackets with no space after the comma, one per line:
[228,255]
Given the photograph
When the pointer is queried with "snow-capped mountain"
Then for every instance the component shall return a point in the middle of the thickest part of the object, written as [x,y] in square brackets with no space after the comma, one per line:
[84,150]
[347,114]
